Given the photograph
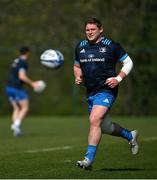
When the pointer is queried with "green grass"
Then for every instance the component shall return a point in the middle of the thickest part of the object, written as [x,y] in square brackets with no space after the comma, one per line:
[113,159]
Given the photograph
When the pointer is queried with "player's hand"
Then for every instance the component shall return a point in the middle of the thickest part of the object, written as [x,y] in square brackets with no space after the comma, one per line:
[35,84]
[78,80]
[112,82]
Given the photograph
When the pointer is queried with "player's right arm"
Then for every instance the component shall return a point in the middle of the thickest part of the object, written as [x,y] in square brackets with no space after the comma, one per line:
[77,74]
[76,68]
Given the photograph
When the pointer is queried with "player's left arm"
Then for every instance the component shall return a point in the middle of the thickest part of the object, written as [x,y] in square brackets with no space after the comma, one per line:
[127,65]
[24,77]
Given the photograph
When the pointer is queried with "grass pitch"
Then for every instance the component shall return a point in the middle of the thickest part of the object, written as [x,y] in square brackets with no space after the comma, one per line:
[51,146]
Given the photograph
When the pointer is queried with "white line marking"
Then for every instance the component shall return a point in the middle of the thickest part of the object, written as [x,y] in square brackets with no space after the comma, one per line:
[48,149]
[150,138]
[69,147]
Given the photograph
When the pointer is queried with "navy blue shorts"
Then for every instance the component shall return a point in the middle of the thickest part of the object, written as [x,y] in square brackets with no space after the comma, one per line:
[15,94]
[102,99]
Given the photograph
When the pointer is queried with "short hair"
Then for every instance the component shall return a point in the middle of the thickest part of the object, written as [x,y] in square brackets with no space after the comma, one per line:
[24,50]
[95,21]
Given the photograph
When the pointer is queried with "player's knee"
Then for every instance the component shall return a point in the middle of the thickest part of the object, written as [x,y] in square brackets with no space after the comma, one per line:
[25,108]
[15,107]
[107,126]
[94,120]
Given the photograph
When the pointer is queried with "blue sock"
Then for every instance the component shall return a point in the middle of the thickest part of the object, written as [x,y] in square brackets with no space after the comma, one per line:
[91,151]
[126,134]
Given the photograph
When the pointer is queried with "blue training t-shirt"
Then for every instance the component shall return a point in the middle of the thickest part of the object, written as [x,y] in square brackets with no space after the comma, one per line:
[98,62]
[13,80]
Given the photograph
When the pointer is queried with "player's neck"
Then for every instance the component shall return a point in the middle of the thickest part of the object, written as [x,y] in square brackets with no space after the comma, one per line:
[99,39]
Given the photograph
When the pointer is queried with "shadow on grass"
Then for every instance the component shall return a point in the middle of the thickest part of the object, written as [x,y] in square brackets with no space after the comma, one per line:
[121,169]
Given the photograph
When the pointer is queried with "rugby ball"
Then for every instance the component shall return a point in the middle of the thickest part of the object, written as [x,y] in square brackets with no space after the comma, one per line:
[52,59]
[41,86]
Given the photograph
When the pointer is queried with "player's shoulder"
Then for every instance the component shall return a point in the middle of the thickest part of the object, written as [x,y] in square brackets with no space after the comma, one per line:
[107,41]
[22,63]
[82,43]
[16,60]
[111,43]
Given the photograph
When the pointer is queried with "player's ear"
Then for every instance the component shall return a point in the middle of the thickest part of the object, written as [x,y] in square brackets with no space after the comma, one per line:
[101,30]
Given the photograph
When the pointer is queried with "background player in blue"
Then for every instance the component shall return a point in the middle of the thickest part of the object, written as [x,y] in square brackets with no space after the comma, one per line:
[95,65]
[17,96]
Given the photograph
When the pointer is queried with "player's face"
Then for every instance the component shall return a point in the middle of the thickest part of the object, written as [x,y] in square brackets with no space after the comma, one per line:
[93,33]
[25,56]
